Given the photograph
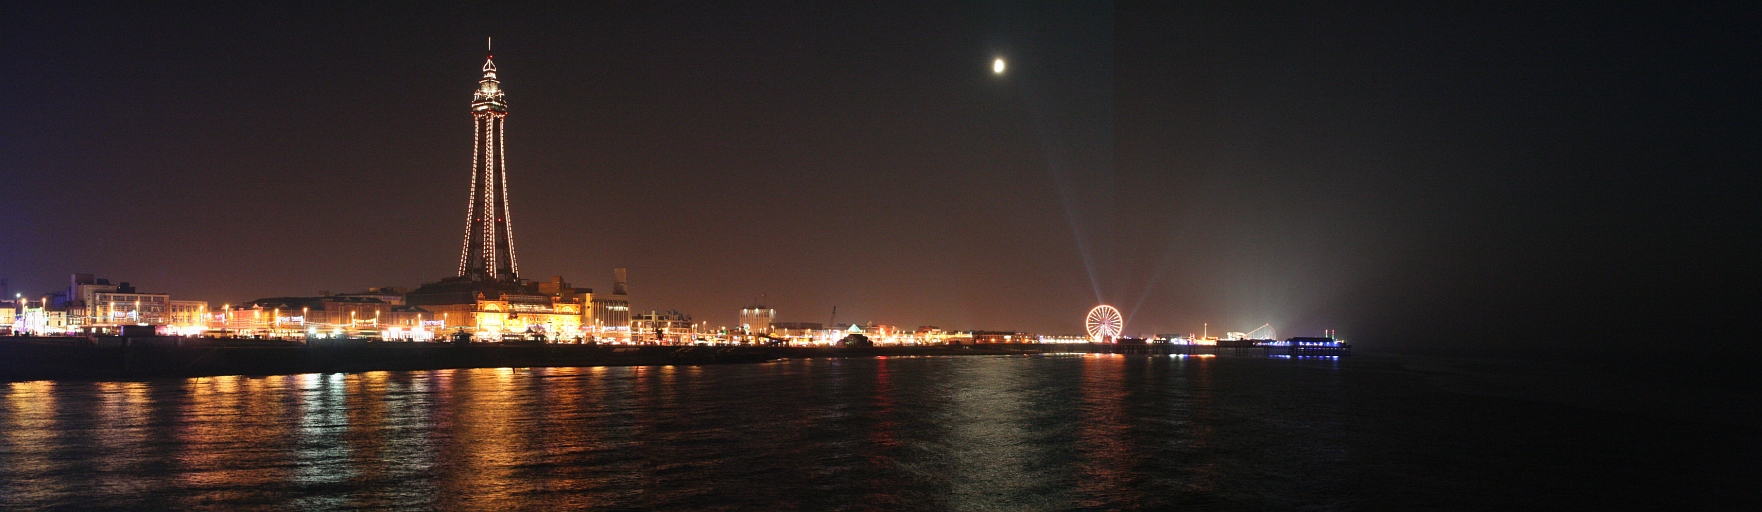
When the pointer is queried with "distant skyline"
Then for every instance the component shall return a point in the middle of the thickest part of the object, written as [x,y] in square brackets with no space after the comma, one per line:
[1393,173]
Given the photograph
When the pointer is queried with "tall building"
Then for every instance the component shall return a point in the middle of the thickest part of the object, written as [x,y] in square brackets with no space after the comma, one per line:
[488,252]
[487,296]
[610,315]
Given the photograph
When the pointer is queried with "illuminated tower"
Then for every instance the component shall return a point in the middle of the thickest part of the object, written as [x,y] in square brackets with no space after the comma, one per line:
[488,253]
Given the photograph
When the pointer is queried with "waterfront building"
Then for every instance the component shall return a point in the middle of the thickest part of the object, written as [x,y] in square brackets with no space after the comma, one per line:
[958,338]
[1064,338]
[81,287]
[187,317]
[562,289]
[386,294]
[41,317]
[490,309]
[490,317]
[1181,339]
[929,334]
[879,334]
[327,315]
[656,327]
[983,337]
[106,310]
[609,316]
[8,307]
[757,319]
[92,305]
[798,331]
[882,334]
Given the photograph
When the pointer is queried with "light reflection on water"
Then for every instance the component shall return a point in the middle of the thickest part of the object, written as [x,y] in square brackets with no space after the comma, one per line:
[974,432]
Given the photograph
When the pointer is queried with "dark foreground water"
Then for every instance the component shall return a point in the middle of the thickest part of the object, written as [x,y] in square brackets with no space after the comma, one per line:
[997,433]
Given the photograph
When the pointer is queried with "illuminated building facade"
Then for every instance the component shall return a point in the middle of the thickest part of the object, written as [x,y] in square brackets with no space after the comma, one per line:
[187,316]
[41,318]
[669,327]
[989,337]
[95,306]
[8,316]
[8,307]
[515,314]
[609,316]
[126,308]
[798,332]
[757,319]
[329,315]
[1065,338]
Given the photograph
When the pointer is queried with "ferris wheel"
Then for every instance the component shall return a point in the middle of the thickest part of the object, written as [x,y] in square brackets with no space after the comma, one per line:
[1104,324]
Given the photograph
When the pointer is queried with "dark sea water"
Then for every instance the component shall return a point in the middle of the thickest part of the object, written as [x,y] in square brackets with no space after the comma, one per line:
[961,433]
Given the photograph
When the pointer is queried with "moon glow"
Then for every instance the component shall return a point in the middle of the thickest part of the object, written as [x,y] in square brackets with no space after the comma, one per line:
[997,66]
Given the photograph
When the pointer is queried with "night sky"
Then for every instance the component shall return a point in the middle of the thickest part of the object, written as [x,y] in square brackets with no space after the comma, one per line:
[1505,176]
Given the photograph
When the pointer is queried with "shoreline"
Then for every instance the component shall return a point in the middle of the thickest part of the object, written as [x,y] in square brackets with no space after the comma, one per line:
[126,359]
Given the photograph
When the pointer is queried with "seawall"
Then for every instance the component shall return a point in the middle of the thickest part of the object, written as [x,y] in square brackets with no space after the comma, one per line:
[30,358]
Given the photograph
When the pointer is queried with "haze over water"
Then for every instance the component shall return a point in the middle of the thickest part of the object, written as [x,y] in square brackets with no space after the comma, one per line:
[975,432]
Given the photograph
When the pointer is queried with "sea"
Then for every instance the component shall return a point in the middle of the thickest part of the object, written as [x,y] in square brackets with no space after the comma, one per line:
[1023,432]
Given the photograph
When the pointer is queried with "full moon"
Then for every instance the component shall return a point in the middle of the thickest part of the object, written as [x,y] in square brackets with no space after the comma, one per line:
[997,66]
